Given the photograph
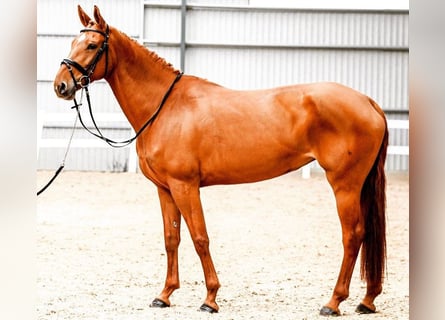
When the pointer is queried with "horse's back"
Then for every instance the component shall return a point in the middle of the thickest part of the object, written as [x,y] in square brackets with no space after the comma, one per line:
[320,99]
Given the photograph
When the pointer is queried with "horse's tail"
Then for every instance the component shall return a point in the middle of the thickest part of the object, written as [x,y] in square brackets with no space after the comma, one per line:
[373,205]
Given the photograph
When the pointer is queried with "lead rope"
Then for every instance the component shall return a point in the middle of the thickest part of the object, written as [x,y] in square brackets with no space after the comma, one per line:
[62,165]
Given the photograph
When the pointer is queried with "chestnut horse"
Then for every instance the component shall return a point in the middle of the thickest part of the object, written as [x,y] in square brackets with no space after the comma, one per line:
[201,134]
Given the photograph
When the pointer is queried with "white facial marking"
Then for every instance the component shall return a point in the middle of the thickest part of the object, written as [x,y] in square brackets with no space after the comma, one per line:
[82,37]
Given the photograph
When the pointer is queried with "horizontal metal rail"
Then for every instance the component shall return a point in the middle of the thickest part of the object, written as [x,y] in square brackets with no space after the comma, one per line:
[273,9]
[245,45]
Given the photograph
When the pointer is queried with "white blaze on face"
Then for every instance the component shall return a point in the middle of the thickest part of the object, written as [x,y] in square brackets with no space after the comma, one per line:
[81,38]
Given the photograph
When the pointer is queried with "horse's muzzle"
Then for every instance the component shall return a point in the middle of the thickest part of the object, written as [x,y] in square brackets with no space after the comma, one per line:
[64,91]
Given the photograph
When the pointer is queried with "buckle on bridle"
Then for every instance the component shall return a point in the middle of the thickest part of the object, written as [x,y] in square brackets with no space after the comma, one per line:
[84,81]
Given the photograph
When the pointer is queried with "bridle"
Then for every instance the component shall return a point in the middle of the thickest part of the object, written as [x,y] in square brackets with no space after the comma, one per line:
[84,80]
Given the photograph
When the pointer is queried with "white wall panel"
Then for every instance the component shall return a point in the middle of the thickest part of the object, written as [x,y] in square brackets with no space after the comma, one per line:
[60,16]
[377,74]
[296,28]
[50,53]
[90,159]
[162,25]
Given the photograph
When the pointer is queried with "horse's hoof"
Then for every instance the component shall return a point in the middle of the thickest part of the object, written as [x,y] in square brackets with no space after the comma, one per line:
[326,311]
[207,308]
[158,303]
[362,309]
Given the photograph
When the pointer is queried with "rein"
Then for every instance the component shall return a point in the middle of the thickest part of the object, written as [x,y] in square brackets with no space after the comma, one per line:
[120,144]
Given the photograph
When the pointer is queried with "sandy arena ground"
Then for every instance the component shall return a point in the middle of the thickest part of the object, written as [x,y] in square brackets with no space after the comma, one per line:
[276,246]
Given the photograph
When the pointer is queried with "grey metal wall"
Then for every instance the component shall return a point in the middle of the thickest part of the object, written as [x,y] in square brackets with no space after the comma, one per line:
[241,47]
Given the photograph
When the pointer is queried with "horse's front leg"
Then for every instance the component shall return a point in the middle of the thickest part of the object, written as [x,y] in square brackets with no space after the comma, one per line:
[172,235]
[186,196]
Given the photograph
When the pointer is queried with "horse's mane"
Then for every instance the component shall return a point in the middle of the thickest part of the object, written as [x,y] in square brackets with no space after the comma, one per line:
[151,54]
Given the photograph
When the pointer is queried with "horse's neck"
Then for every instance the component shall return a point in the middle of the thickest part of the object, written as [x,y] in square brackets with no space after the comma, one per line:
[139,80]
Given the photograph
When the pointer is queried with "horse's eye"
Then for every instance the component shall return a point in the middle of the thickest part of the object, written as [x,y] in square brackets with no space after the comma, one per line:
[92,46]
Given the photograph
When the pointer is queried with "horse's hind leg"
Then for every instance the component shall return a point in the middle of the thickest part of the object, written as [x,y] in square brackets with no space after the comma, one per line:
[347,194]
[172,235]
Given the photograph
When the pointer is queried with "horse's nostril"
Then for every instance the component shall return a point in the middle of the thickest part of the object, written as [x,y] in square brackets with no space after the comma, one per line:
[62,87]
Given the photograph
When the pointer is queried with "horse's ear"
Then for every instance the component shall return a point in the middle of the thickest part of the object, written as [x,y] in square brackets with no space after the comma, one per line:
[100,21]
[84,18]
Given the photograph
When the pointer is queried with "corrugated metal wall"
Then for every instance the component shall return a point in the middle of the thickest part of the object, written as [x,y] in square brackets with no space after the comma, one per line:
[241,47]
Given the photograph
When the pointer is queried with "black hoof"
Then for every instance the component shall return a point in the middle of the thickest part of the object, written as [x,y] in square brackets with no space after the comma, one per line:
[158,303]
[325,311]
[207,308]
[362,309]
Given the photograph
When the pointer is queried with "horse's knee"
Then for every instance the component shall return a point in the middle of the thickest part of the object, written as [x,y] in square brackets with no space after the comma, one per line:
[201,244]
[172,242]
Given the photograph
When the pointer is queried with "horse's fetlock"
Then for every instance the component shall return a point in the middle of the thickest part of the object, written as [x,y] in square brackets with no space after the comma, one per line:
[213,286]
[341,295]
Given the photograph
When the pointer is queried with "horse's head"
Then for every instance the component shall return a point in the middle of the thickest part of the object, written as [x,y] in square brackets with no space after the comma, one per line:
[88,59]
